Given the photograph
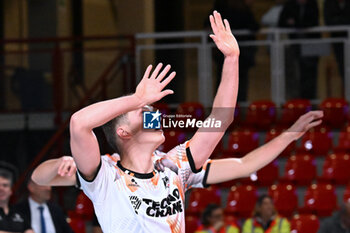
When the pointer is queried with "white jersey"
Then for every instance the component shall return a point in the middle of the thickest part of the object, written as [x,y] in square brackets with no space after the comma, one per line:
[127,201]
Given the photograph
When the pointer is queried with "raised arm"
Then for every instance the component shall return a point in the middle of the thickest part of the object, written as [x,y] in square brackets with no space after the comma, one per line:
[56,172]
[83,142]
[203,142]
[223,170]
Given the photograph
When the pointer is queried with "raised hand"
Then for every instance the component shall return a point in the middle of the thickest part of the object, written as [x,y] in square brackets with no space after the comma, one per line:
[222,36]
[304,123]
[150,89]
[67,166]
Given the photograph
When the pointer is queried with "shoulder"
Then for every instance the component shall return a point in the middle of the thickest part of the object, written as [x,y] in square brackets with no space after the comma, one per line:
[22,206]
[248,222]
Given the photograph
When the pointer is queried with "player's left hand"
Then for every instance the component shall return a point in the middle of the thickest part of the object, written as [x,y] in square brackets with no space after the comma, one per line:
[67,166]
[222,36]
[304,123]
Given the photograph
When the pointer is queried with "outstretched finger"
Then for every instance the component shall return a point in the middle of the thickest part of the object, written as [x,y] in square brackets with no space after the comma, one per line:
[163,73]
[147,72]
[218,20]
[168,79]
[213,25]
[313,124]
[156,71]
[227,26]
[213,37]
[165,93]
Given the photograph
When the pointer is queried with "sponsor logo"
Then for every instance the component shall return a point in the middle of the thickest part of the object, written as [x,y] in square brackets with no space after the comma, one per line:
[136,203]
[17,218]
[170,205]
[133,183]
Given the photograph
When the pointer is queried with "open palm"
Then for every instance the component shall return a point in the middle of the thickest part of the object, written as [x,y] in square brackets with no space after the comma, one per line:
[222,36]
[150,89]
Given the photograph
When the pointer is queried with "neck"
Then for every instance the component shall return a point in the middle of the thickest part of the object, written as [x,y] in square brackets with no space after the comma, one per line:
[36,199]
[4,205]
[138,158]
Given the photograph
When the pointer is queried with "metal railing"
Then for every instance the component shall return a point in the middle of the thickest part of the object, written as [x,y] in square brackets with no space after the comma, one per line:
[276,39]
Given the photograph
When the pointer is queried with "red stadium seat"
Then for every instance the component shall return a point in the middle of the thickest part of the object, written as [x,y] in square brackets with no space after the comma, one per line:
[76,222]
[241,201]
[320,199]
[346,196]
[344,140]
[268,174]
[191,223]
[336,168]
[242,141]
[237,118]
[190,110]
[335,112]
[317,141]
[196,110]
[261,114]
[285,198]
[274,132]
[200,198]
[172,139]
[162,107]
[293,109]
[84,207]
[305,223]
[300,169]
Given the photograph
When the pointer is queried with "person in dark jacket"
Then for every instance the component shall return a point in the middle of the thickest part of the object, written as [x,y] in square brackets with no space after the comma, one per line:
[301,14]
[10,219]
[339,222]
[45,217]
[336,13]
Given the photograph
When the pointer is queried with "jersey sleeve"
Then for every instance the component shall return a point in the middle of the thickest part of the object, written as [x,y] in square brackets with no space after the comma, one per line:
[180,160]
[97,188]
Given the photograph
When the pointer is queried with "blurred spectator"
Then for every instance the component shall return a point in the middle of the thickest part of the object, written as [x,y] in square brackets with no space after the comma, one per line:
[337,12]
[339,222]
[44,216]
[301,14]
[240,17]
[265,218]
[271,17]
[213,221]
[10,219]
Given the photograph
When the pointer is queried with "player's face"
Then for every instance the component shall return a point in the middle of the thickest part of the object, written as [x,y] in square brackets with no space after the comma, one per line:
[135,124]
[5,189]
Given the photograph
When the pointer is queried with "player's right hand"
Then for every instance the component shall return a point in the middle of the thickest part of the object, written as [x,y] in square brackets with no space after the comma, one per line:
[67,166]
[150,89]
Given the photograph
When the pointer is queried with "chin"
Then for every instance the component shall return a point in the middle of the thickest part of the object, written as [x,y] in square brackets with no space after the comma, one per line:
[159,137]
